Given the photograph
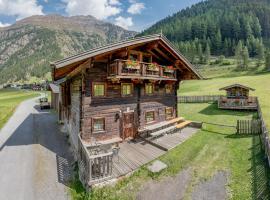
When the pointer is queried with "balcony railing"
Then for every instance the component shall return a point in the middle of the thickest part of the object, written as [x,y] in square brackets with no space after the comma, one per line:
[140,70]
[238,103]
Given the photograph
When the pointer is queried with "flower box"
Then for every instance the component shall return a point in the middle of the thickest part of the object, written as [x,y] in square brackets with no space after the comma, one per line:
[132,65]
[171,71]
[152,67]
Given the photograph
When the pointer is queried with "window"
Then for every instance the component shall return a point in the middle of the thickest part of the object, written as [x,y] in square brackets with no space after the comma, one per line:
[98,124]
[126,89]
[168,89]
[149,88]
[169,113]
[99,89]
[150,116]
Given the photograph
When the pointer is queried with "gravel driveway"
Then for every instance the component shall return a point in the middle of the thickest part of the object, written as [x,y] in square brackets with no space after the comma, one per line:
[35,162]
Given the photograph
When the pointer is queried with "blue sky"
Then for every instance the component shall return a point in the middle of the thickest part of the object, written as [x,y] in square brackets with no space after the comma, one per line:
[130,14]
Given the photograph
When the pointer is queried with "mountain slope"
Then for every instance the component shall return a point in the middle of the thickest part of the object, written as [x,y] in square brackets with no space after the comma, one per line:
[219,24]
[27,47]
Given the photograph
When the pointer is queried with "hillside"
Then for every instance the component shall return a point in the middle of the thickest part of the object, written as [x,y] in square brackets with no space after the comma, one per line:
[217,26]
[27,47]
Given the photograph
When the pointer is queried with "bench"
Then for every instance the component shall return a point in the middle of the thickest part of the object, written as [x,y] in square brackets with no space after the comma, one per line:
[183,125]
[162,131]
[162,124]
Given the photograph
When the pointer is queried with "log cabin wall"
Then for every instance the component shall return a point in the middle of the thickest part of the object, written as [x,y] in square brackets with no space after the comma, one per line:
[112,106]
[71,106]
[157,102]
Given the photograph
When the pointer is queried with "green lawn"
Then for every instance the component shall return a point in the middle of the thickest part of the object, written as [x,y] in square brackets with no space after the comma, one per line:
[9,100]
[230,69]
[210,87]
[214,148]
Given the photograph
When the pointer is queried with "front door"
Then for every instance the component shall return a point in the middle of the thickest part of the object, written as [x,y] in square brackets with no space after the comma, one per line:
[128,125]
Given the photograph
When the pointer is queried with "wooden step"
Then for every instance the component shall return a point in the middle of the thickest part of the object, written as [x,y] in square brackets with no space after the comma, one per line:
[161,125]
[163,131]
[183,124]
[178,119]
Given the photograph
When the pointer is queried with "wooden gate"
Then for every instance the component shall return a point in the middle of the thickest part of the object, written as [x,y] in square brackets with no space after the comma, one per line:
[248,127]
[128,125]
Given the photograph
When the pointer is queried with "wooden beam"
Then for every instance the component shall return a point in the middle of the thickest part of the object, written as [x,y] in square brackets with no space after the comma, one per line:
[154,55]
[77,70]
[151,46]
[168,49]
[163,54]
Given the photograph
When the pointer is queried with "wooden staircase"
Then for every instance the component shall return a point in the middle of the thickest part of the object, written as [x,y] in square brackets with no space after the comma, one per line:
[153,132]
[163,128]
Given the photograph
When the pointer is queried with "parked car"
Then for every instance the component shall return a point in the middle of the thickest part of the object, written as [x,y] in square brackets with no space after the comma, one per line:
[44,104]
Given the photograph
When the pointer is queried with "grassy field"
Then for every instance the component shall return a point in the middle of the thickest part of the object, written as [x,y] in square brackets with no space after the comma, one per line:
[210,87]
[228,68]
[9,100]
[214,148]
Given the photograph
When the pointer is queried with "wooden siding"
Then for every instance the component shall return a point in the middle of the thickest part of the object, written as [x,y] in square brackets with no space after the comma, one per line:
[113,105]
[72,117]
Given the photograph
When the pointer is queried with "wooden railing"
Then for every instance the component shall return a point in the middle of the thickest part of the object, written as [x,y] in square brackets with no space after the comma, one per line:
[250,103]
[264,134]
[93,168]
[139,69]
[198,99]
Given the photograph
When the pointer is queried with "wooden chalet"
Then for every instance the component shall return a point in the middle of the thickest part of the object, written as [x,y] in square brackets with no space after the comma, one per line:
[118,92]
[237,98]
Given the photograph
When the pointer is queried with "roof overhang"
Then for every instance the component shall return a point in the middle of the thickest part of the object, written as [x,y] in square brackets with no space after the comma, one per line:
[75,60]
[237,85]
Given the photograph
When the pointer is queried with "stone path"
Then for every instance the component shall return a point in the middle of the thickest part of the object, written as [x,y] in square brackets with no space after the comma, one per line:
[35,162]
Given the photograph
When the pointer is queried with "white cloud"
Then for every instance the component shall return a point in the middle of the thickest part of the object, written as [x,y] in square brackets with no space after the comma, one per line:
[124,22]
[20,8]
[135,8]
[101,9]
[114,2]
[4,24]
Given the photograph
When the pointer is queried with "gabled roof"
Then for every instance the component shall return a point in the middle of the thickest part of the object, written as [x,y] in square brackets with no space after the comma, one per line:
[236,85]
[123,44]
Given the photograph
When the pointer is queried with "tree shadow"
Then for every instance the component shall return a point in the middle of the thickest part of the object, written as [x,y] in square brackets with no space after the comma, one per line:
[259,170]
[42,128]
[213,109]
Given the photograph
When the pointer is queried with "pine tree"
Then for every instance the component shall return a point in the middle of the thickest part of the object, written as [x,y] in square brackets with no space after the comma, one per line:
[207,54]
[267,60]
[260,51]
[245,57]
[218,43]
[238,53]
[200,53]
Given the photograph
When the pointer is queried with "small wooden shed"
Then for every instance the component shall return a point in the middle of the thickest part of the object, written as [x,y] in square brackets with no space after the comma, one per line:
[238,98]
[54,96]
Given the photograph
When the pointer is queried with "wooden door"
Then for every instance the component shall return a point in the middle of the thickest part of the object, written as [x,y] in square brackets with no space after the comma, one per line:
[128,125]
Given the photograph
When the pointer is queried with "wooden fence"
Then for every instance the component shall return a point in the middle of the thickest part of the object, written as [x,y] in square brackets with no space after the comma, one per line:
[264,134]
[248,127]
[198,99]
[93,168]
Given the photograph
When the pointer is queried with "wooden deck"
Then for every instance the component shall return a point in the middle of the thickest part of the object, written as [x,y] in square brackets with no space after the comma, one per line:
[134,154]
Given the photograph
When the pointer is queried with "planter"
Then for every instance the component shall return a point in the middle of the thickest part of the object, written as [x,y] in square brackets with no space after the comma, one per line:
[171,71]
[137,67]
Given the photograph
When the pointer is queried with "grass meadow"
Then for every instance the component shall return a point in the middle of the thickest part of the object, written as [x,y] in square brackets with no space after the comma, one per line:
[9,100]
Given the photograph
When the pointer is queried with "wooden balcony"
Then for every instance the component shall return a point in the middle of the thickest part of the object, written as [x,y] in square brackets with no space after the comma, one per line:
[140,70]
[249,103]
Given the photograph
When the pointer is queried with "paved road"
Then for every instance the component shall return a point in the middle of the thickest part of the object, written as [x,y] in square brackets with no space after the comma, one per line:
[35,162]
